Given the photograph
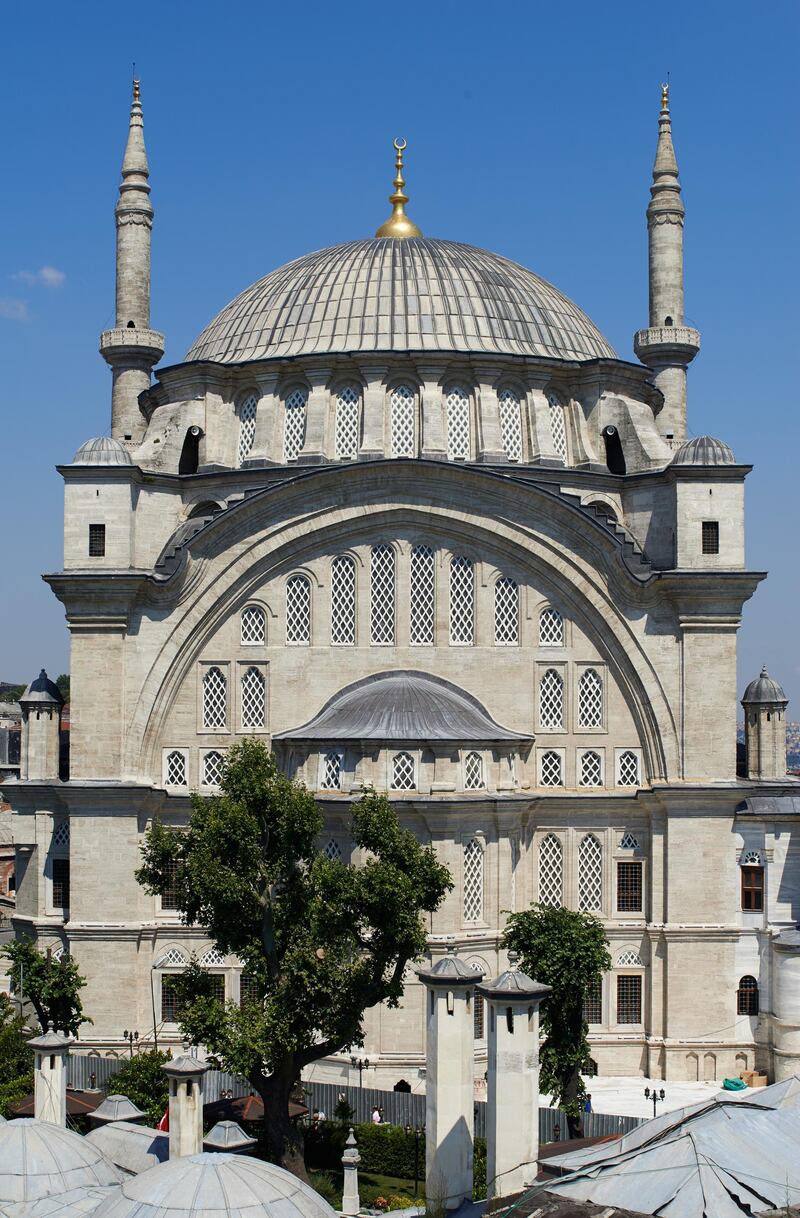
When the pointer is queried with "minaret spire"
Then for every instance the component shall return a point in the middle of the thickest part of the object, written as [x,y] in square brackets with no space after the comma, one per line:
[132,348]
[667,346]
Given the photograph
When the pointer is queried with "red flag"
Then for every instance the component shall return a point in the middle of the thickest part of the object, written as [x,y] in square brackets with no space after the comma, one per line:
[163,1124]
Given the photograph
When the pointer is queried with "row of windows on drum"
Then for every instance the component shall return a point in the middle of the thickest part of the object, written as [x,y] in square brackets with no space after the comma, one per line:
[382,627]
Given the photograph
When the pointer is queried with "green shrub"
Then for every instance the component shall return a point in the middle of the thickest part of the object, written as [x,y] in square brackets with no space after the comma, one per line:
[479,1170]
[386,1150]
[324,1185]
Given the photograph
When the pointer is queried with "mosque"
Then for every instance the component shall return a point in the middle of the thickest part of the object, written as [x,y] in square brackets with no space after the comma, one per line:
[404,514]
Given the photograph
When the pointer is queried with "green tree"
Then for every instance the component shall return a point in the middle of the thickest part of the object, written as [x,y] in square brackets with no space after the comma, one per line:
[568,951]
[16,1059]
[143,1080]
[320,941]
[51,986]
[62,682]
[11,693]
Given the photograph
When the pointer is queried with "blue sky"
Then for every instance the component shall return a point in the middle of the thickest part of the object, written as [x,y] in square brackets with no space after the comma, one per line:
[531,132]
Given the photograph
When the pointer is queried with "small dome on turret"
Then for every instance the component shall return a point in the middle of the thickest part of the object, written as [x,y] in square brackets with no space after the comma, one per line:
[102,450]
[43,690]
[704,450]
[764,690]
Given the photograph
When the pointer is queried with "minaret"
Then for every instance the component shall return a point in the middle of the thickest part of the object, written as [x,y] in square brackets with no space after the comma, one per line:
[668,346]
[132,348]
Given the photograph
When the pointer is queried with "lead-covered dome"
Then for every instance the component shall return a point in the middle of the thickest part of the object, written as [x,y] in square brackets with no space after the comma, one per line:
[764,690]
[102,450]
[384,294]
[704,450]
[41,1160]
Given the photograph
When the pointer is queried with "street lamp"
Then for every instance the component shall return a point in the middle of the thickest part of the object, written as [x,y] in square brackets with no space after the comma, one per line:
[132,1038]
[655,1096]
[417,1131]
[361,1064]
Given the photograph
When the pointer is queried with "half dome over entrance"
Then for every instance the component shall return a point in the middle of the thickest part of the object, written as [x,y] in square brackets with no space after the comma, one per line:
[418,294]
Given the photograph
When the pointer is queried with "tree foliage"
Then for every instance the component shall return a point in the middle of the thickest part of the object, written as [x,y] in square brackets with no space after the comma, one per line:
[143,1080]
[62,681]
[320,941]
[51,986]
[16,1059]
[567,950]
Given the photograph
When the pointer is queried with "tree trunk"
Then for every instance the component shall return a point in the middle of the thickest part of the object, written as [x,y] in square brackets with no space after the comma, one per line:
[283,1140]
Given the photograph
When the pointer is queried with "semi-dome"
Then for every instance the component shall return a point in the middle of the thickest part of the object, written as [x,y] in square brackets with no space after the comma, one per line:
[102,450]
[42,1160]
[215,1184]
[704,450]
[764,689]
[385,294]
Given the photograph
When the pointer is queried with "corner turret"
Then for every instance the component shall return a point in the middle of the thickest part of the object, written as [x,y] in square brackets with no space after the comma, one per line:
[765,705]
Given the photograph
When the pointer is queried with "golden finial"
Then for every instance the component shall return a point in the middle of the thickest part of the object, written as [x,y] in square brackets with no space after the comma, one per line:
[136,90]
[665,96]
[398,224]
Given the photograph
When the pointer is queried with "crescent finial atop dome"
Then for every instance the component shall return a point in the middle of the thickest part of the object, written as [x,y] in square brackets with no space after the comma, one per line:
[398,224]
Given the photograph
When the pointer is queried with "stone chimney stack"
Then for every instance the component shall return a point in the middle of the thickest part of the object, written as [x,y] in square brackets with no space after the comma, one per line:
[41,706]
[50,1076]
[185,1076]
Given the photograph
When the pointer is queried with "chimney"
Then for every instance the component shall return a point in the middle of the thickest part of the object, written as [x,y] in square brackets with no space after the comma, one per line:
[50,1073]
[185,1076]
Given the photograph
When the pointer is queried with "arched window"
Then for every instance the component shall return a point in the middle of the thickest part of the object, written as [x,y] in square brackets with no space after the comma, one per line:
[747,996]
[382,596]
[506,612]
[552,769]
[404,432]
[253,626]
[478,1008]
[590,874]
[629,842]
[176,769]
[551,699]
[333,851]
[212,768]
[510,425]
[590,699]
[404,776]
[253,698]
[247,427]
[551,628]
[343,600]
[421,597]
[458,429]
[629,958]
[294,424]
[557,427]
[332,772]
[348,422]
[462,602]
[473,772]
[215,698]
[591,769]
[473,880]
[551,871]
[628,769]
[298,610]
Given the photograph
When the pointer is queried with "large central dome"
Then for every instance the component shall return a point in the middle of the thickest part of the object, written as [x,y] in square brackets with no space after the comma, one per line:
[389,295]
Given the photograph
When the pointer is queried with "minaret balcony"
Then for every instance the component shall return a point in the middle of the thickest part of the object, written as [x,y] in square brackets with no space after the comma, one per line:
[666,344]
[126,341]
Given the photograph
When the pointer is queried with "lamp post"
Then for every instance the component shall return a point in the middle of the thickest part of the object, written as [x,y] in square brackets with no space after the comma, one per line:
[132,1038]
[655,1096]
[360,1064]
[417,1131]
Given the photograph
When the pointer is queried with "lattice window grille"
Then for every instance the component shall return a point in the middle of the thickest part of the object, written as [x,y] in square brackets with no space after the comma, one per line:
[212,768]
[629,959]
[61,953]
[551,871]
[510,425]
[403,772]
[551,699]
[333,852]
[462,602]
[253,698]
[557,427]
[403,428]
[506,612]
[332,772]
[173,958]
[382,596]
[458,430]
[751,859]
[552,769]
[628,769]
[473,880]
[590,874]
[298,610]
[343,600]
[551,628]
[247,427]
[591,770]
[212,959]
[215,698]
[629,999]
[473,772]
[61,834]
[294,424]
[176,770]
[422,597]
[348,410]
[253,625]
[629,842]
[590,699]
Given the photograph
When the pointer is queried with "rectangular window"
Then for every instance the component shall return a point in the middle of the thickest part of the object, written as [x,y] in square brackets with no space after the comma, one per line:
[629,1000]
[169,897]
[249,990]
[97,540]
[593,1002]
[217,986]
[711,537]
[629,887]
[753,889]
[170,1008]
[61,883]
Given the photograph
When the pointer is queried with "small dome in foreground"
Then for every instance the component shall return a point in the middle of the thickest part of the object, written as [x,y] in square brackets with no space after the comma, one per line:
[102,450]
[215,1184]
[43,690]
[40,1160]
[764,689]
[704,450]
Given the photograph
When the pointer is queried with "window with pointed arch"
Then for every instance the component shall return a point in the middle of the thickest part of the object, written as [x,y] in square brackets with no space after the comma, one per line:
[459,446]
[558,426]
[478,1008]
[506,612]
[247,427]
[551,871]
[747,996]
[298,610]
[473,880]
[253,698]
[551,628]
[404,772]
[382,596]
[510,424]
[348,423]
[590,874]
[422,597]
[212,768]
[215,698]
[253,626]
[332,766]
[462,602]
[402,406]
[473,772]
[551,700]
[294,424]
[343,601]
[176,769]
[590,699]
